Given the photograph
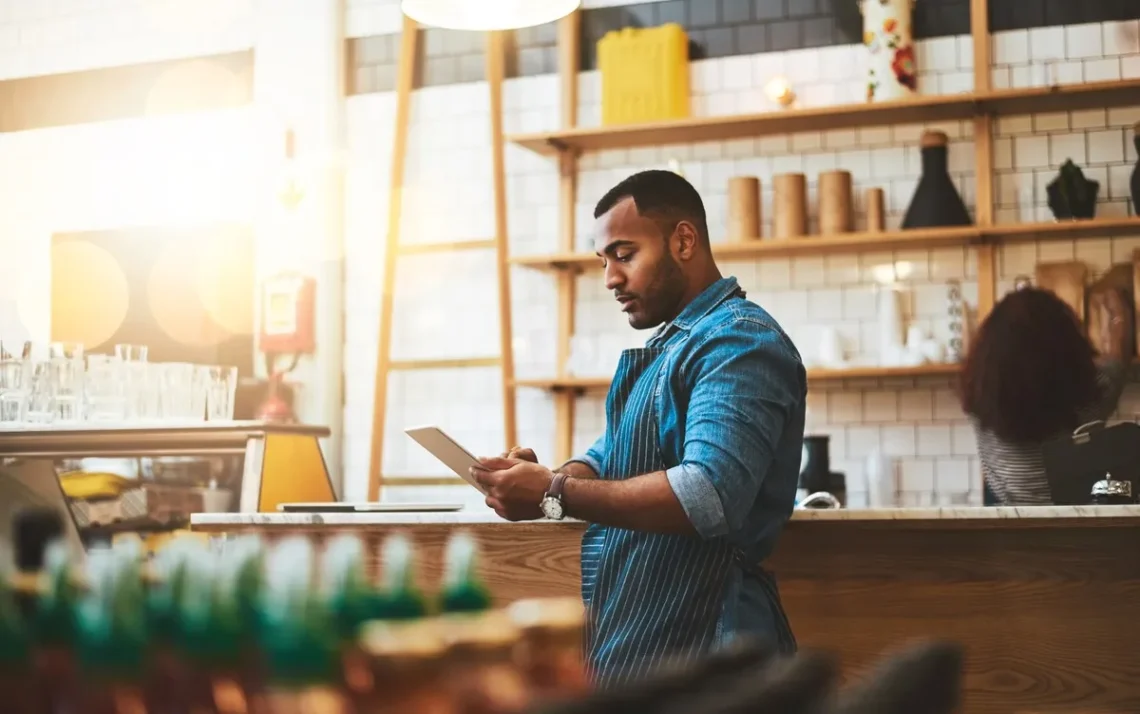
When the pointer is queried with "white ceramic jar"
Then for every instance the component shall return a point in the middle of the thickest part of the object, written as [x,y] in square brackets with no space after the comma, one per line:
[892,69]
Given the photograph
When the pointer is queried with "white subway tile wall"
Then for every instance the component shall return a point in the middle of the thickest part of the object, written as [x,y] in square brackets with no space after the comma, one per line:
[38,37]
[918,423]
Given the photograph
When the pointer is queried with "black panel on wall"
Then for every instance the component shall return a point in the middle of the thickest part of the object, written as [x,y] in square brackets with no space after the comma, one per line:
[1026,14]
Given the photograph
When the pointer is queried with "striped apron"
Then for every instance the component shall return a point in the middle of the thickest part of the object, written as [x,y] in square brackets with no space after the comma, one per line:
[653,597]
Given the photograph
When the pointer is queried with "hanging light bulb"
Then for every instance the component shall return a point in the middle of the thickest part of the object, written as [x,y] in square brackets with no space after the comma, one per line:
[487,14]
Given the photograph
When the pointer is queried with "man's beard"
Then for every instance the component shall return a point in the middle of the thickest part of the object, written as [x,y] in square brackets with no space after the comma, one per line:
[659,301]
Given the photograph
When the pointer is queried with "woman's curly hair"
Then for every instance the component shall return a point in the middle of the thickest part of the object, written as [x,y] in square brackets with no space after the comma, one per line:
[1030,369]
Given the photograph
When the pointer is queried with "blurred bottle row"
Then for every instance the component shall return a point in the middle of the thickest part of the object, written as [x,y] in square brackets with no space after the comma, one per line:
[288,627]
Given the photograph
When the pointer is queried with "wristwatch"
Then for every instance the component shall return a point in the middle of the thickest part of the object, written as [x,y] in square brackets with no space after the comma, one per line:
[551,503]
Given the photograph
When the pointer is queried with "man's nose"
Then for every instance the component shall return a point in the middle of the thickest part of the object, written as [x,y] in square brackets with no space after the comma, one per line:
[614,276]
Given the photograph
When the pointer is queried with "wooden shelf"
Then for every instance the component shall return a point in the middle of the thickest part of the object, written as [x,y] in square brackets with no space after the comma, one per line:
[601,384]
[770,247]
[1063,230]
[791,121]
[919,238]
[922,370]
[947,107]
[1061,98]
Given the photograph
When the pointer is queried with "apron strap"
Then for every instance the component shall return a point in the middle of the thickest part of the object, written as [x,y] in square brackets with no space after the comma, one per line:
[785,638]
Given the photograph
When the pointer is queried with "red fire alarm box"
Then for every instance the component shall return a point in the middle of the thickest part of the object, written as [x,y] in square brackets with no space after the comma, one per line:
[288,314]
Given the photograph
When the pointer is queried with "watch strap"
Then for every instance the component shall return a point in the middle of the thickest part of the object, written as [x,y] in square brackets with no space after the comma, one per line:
[555,490]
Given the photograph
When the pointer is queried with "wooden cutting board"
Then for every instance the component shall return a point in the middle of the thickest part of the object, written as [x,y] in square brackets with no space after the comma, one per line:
[1118,279]
[1136,294]
[1067,281]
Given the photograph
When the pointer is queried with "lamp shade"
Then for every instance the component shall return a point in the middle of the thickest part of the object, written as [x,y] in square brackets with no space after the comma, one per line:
[487,14]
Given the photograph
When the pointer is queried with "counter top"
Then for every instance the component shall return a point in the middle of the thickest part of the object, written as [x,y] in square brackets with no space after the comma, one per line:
[212,521]
[113,440]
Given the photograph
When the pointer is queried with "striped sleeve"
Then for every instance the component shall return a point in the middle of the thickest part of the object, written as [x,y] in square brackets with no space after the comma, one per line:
[1014,472]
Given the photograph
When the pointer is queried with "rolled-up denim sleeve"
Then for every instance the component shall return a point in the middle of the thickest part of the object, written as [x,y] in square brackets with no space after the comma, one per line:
[745,382]
[594,457]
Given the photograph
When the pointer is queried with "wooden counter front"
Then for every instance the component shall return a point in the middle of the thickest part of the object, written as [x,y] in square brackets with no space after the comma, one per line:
[1045,599]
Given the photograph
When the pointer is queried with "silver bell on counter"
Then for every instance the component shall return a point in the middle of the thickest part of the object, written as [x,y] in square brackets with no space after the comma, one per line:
[1112,492]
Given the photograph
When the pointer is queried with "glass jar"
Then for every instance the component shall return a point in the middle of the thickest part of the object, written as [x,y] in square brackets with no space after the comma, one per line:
[550,649]
[484,673]
[399,667]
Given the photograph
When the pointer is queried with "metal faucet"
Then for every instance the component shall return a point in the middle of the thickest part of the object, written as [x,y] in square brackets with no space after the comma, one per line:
[820,499]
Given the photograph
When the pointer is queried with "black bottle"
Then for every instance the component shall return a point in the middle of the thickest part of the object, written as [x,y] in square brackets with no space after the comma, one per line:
[33,530]
[681,682]
[936,201]
[802,684]
[816,475]
[925,678]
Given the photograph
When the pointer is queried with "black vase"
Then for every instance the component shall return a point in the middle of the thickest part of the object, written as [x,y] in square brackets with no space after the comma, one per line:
[1071,195]
[1136,171]
[936,201]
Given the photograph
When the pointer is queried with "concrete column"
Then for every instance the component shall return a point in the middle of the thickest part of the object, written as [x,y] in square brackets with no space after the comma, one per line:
[299,86]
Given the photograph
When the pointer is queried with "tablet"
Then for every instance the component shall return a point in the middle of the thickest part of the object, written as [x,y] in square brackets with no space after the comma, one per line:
[447,450]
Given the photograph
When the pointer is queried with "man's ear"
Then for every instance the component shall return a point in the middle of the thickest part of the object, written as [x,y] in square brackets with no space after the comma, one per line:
[688,240]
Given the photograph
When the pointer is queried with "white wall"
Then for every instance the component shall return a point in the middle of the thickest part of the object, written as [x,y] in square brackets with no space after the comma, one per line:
[919,423]
[53,36]
[169,171]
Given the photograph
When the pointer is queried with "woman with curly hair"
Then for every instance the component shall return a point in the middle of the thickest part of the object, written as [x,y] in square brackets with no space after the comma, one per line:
[1032,375]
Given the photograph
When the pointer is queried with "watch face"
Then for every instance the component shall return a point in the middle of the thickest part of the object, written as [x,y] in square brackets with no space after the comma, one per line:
[552,508]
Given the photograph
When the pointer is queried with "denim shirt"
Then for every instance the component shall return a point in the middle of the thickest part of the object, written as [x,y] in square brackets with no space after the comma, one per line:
[731,402]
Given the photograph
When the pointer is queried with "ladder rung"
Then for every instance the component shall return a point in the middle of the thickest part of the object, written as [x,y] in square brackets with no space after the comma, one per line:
[408,364]
[414,248]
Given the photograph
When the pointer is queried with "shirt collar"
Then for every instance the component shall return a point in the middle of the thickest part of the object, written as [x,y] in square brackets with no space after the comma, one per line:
[702,305]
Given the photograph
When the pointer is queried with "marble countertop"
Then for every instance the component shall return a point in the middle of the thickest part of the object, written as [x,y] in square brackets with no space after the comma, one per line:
[483,516]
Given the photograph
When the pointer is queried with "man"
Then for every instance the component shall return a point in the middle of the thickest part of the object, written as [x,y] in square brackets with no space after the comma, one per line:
[687,491]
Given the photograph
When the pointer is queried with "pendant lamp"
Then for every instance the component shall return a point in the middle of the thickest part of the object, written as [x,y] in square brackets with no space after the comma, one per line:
[487,14]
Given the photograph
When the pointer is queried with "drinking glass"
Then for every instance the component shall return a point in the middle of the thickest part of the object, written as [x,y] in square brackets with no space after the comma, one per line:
[221,388]
[106,388]
[13,391]
[141,397]
[41,392]
[174,385]
[67,364]
[131,353]
[200,391]
[65,350]
[68,377]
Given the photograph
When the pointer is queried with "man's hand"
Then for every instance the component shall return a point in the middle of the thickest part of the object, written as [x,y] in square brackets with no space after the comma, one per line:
[520,452]
[514,487]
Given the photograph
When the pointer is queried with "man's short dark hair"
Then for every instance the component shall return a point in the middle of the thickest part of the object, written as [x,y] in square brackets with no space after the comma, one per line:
[661,196]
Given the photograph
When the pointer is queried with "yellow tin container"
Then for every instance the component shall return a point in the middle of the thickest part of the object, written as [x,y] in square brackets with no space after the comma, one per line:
[645,74]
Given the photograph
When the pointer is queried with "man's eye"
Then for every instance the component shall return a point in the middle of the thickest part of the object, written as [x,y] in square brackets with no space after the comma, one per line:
[623,257]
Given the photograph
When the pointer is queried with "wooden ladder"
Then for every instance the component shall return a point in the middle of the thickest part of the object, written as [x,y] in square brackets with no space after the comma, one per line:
[393,250]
